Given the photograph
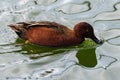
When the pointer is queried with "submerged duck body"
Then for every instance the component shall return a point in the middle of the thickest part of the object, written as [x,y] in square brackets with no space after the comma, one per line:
[53,34]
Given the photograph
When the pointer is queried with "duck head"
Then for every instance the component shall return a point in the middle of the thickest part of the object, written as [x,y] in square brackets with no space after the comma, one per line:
[20,29]
[85,30]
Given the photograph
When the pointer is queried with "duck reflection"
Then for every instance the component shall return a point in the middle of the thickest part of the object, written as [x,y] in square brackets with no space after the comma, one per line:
[85,51]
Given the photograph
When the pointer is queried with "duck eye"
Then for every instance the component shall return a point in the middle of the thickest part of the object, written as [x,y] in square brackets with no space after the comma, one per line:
[87,30]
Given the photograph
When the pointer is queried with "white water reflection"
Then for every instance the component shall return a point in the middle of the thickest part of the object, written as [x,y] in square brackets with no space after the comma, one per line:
[102,14]
[55,69]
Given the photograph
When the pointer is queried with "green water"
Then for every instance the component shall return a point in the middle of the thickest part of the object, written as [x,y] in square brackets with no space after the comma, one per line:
[85,51]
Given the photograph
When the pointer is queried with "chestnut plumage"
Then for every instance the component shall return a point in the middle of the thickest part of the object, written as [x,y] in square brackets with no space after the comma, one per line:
[53,34]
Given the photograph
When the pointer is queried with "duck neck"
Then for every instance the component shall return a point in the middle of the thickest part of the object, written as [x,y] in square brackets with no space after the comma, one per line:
[77,39]
[79,33]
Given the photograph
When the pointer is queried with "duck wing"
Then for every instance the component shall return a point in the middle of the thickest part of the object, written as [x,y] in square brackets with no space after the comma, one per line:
[56,26]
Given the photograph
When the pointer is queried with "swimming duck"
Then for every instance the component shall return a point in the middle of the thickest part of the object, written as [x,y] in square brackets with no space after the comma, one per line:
[53,34]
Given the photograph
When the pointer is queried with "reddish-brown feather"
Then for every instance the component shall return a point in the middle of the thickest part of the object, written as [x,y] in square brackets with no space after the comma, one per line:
[54,34]
[50,37]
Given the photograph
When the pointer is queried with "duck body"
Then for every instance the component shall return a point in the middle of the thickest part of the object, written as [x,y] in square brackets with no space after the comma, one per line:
[53,34]
[50,37]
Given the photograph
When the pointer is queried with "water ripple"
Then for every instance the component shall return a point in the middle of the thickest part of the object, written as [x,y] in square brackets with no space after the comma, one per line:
[16,62]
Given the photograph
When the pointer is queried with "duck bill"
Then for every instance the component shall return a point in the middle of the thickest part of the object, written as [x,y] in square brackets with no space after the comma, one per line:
[97,40]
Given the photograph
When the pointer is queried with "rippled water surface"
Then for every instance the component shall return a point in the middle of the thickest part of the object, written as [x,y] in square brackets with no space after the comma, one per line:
[19,61]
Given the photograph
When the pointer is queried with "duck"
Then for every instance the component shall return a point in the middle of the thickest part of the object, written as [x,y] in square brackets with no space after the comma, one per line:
[53,34]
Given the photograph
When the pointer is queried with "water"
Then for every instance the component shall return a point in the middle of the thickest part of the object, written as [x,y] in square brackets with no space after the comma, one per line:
[82,62]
